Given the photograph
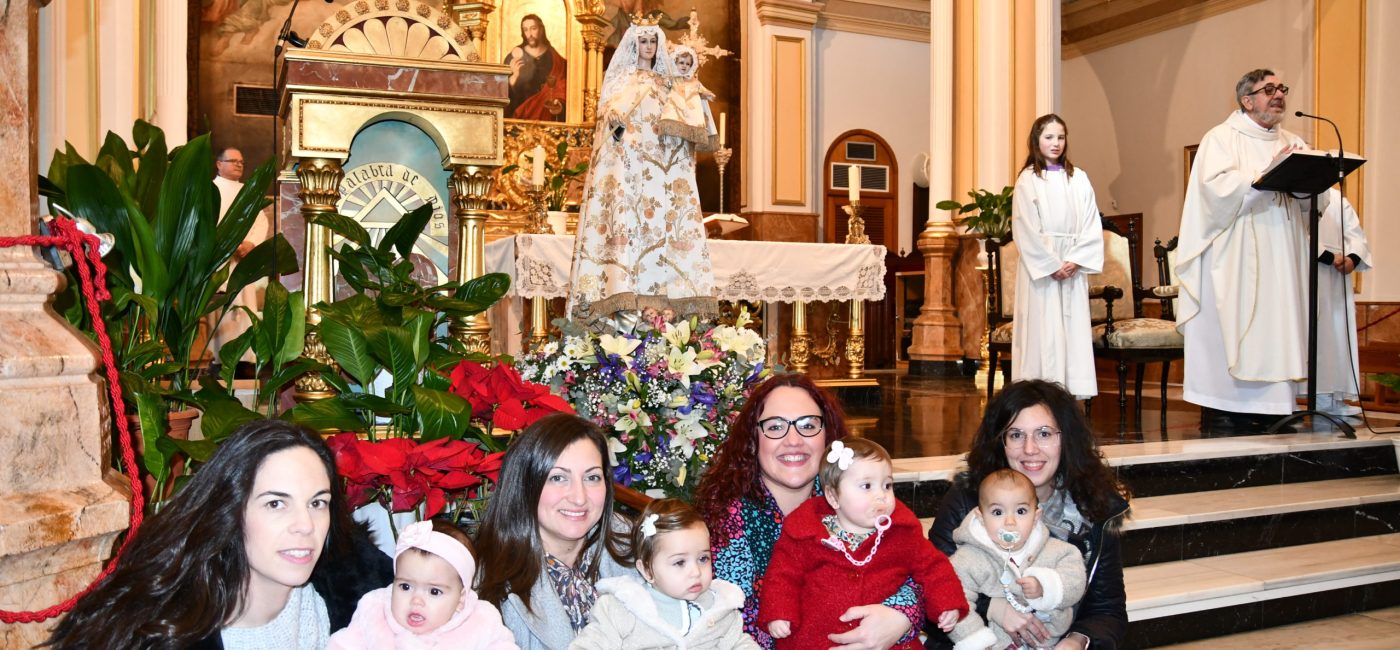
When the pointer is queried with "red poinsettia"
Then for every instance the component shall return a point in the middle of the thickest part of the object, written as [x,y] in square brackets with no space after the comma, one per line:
[407,472]
[501,398]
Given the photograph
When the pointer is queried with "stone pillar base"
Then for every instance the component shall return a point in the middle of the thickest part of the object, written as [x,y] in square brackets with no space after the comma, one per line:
[61,504]
[52,545]
[937,331]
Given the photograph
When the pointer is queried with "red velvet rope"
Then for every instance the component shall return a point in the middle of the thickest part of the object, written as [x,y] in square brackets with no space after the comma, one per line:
[69,238]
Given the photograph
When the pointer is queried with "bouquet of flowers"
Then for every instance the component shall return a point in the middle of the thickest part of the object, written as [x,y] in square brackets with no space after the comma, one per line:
[665,393]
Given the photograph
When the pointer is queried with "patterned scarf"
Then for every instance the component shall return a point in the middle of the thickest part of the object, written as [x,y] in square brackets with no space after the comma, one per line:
[574,588]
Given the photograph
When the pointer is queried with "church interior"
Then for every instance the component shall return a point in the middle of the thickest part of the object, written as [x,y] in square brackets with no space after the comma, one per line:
[856,187]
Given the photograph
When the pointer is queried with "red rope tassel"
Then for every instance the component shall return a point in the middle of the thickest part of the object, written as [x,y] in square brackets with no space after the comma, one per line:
[69,238]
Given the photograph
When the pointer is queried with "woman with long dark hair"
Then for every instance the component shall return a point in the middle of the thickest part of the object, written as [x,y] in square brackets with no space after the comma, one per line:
[763,471]
[257,550]
[550,533]
[1037,428]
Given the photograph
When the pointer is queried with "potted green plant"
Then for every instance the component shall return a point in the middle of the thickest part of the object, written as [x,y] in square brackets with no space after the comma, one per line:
[411,440]
[171,267]
[991,213]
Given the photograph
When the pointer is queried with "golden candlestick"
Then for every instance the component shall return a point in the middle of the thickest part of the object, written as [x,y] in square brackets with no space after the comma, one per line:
[722,159]
[539,216]
[855,225]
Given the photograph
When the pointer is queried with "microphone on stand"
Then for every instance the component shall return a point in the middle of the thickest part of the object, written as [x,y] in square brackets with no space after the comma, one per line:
[1341,151]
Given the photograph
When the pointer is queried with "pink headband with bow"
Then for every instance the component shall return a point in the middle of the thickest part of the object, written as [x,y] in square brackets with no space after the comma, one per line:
[421,535]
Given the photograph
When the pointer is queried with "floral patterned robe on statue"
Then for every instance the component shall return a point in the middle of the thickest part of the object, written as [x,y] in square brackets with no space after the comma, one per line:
[641,240]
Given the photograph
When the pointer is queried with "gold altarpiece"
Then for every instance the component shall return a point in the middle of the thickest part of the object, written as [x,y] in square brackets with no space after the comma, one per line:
[376,61]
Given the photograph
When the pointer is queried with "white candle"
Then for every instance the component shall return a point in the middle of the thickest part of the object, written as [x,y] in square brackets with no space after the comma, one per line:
[853,184]
[537,157]
[721,129]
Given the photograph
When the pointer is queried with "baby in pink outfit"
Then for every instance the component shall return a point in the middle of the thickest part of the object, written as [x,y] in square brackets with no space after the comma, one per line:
[431,603]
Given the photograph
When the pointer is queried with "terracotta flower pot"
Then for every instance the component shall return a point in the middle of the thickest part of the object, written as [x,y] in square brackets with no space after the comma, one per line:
[178,424]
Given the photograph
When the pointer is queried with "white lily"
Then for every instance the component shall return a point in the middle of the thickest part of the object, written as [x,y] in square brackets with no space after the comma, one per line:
[615,447]
[677,334]
[619,345]
[689,428]
[687,363]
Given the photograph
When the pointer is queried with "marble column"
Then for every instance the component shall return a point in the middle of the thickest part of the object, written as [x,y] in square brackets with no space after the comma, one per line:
[937,332]
[61,503]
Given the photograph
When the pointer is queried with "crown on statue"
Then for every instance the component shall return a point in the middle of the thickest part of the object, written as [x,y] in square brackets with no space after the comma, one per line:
[644,21]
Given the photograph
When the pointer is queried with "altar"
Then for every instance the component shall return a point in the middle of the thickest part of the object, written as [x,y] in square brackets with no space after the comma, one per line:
[754,271]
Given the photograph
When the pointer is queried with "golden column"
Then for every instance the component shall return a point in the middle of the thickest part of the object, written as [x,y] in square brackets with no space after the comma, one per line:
[470,185]
[589,14]
[320,191]
[472,16]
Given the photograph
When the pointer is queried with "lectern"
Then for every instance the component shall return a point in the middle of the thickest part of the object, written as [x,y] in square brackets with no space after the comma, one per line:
[1306,174]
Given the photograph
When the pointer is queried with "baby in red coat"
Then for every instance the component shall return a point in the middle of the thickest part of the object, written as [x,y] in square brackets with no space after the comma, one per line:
[852,546]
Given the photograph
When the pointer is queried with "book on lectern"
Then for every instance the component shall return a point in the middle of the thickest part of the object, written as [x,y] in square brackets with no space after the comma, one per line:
[1306,171]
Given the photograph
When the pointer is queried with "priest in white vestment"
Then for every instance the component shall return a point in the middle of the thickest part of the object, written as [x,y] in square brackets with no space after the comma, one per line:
[1055,224]
[1242,267]
[1344,250]
[228,167]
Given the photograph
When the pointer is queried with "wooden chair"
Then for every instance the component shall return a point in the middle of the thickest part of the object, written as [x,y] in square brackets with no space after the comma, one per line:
[1136,340]
[1002,259]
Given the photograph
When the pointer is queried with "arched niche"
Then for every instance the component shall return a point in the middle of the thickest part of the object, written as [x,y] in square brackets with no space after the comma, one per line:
[879,195]
[410,29]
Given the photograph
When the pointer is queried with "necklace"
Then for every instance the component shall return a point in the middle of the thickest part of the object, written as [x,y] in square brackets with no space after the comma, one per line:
[834,542]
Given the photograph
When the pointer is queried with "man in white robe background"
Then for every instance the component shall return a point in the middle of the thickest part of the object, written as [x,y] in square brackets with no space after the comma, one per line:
[1241,264]
[1344,250]
[228,167]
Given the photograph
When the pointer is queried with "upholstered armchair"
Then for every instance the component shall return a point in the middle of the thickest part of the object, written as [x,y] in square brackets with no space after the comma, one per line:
[1124,335]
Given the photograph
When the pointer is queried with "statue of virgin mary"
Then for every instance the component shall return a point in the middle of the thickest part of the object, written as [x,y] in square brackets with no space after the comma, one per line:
[641,240]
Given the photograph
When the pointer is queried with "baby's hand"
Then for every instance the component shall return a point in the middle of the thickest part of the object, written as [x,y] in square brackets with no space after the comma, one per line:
[947,620]
[780,629]
[707,96]
[1030,587]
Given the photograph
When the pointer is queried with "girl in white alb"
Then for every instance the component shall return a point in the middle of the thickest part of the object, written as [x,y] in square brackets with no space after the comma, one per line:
[1055,224]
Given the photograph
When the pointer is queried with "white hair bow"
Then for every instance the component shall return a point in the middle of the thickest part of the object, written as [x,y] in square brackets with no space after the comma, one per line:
[649,525]
[842,455]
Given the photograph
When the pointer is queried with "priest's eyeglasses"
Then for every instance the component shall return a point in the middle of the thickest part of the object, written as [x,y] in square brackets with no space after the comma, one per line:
[1269,90]
[777,427]
[1043,436]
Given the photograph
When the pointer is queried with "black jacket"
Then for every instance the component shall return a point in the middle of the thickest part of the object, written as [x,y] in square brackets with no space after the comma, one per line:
[1102,615]
[340,584]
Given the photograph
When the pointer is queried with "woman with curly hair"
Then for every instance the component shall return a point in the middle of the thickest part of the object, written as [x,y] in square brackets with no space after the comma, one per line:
[1036,428]
[257,551]
[762,472]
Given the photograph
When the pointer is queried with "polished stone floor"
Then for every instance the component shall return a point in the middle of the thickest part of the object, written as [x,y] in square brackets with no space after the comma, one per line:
[934,416]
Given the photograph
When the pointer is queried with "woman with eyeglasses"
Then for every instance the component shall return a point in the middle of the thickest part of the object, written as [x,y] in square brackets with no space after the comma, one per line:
[1036,428]
[761,473]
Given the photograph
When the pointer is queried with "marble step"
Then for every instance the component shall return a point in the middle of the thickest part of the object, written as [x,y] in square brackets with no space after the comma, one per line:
[1185,466]
[1373,630]
[1171,602]
[1203,524]
[1176,467]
